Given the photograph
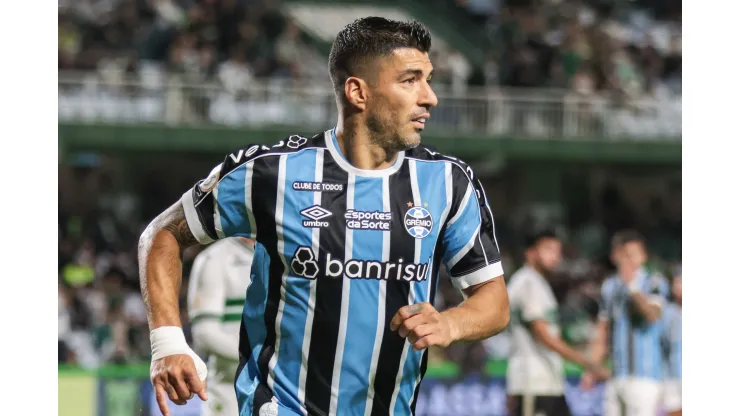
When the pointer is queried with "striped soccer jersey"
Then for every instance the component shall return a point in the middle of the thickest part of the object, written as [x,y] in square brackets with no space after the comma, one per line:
[348,248]
[636,345]
[672,340]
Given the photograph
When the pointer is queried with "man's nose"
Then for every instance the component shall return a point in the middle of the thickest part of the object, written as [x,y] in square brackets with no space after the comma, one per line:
[427,98]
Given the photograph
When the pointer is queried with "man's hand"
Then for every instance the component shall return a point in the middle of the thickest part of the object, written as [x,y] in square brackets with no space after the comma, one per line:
[597,372]
[593,375]
[174,376]
[423,325]
[587,380]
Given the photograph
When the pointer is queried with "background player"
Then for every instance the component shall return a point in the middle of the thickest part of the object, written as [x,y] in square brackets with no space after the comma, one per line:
[629,328]
[357,222]
[672,339]
[535,374]
[216,295]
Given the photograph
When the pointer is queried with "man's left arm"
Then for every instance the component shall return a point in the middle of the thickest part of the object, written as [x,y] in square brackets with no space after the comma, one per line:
[649,302]
[483,314]
[473,261]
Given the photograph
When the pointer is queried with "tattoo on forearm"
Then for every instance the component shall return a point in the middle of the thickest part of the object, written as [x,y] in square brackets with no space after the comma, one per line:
[175,222]
[182,233]
[172,221]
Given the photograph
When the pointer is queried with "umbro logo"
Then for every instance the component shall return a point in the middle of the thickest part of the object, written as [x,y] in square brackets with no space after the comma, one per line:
[316,214]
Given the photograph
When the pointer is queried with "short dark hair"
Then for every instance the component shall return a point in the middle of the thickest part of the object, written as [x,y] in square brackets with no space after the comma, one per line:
[372,37]
[534,236]
[623,237]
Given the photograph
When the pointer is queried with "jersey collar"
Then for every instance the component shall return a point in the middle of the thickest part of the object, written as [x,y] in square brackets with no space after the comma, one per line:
[331,143]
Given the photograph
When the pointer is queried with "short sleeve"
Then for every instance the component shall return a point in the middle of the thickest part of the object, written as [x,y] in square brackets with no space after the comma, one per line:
[534,304]
[206,291]
[219,206]
[471,252]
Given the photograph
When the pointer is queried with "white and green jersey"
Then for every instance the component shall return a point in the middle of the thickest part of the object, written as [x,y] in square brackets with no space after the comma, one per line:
[533,368]
[216,294]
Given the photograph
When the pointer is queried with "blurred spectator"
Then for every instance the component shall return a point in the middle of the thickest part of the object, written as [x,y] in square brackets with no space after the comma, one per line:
[186,60]
[234,73]
[480,10]
[582,82]
[460,70]
[491,71]
[290,51]
[70,42]
[557,77]
[64,324]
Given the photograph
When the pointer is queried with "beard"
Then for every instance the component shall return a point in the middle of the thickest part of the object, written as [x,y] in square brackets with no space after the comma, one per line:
[385,134]
[542,269]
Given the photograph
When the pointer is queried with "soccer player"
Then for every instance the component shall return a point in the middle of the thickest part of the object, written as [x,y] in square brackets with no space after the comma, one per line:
[357,221]
[216,295]
[629,328]
[535,379]
[672,339]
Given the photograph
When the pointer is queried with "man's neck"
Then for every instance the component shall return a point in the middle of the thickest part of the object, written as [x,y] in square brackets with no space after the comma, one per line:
[356,145]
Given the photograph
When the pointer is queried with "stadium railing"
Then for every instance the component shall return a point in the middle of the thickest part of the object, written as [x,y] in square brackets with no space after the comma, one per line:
[89,98]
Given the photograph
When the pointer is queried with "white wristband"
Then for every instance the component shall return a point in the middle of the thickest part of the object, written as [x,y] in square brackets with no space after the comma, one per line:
[170,340]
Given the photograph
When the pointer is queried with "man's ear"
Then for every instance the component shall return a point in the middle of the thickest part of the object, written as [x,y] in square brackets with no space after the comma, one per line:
[356,91]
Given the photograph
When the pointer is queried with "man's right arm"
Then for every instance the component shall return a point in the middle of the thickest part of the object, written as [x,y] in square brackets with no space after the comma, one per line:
[534,314]
[600,339]
[214,208]
[160,265]
[541,332]
[176,371]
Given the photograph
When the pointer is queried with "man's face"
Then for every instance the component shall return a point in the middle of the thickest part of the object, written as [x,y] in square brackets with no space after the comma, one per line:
[400,98]
[547,254]
[631,255]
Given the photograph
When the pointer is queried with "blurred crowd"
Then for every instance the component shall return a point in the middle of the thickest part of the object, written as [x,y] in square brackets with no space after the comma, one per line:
[630,49]
[623,49]
[102,318]
[232,41]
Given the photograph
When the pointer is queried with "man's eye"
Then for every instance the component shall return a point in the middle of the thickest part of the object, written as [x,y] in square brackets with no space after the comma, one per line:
[409,81]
